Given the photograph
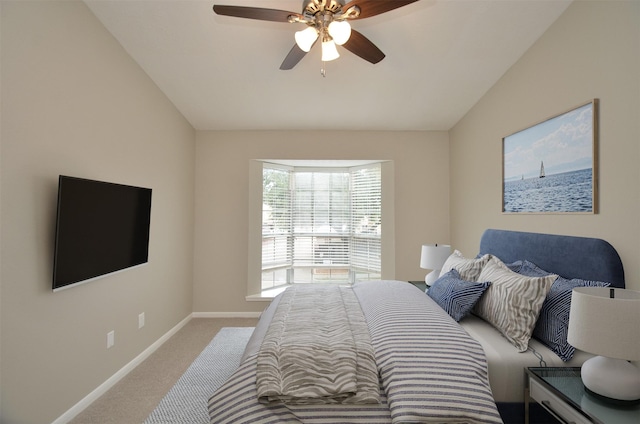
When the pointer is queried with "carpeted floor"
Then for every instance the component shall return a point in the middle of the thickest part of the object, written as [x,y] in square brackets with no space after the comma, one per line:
[186,402]
[136,396]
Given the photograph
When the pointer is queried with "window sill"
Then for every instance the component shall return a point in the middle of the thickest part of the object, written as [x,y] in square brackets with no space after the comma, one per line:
[265,295]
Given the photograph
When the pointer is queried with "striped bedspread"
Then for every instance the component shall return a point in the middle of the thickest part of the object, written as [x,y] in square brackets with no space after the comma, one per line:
[317,349]
[430,370]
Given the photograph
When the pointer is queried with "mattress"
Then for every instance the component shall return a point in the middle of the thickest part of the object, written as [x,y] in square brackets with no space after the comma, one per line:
[506,364]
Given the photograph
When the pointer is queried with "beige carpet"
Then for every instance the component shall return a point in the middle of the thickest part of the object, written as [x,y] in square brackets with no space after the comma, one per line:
[136,395]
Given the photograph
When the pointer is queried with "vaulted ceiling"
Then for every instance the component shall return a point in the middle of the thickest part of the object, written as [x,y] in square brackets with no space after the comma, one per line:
[222,73]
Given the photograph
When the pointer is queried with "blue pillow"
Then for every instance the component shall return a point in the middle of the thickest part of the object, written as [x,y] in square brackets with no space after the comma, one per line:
[532,270]
[553,322]
[515,266]
[455,295]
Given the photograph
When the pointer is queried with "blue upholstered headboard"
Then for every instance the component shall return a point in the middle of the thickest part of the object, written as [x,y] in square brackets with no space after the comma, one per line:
[568,256]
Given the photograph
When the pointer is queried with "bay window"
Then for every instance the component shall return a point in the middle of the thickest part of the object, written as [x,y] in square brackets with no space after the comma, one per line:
[320,224]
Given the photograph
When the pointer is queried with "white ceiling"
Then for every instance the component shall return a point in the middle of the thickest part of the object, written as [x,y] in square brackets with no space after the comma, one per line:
[223,73]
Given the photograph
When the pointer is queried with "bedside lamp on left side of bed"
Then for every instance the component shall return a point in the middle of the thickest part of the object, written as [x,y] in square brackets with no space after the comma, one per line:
[433,256]
[606,322]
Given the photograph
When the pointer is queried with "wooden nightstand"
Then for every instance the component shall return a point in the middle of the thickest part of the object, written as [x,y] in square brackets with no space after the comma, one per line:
[561,392]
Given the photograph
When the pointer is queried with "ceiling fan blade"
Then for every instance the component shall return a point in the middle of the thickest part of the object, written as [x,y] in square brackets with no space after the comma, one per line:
[370,8]
[295,55]
[360,45]
[255,13]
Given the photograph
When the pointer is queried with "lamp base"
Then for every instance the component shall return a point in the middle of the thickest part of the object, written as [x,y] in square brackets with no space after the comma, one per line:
[431,277]
[610,401]
[615,380]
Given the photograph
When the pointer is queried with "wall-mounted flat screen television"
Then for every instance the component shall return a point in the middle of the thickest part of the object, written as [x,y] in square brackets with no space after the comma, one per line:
[101,228]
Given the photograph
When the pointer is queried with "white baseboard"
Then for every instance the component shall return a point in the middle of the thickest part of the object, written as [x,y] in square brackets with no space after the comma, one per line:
[226,314]
[104,387]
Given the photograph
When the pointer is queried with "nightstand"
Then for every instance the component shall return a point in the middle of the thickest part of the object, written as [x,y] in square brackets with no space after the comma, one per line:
[561,392]
[420,284]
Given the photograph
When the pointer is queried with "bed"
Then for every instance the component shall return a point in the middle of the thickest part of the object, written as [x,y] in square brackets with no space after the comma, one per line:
[584,258]
[430,368]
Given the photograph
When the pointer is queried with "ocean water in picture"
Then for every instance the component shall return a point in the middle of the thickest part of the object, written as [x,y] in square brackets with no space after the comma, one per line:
[564,192]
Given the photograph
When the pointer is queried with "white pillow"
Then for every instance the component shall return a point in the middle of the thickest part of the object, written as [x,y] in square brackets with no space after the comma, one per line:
[512,302]
[469,269]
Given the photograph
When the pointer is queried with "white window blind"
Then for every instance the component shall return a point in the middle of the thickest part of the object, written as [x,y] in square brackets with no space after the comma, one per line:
[366,218]
[321,225]
[276,226]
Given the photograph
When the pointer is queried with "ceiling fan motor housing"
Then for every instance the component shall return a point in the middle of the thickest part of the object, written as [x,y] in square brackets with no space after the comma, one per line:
[311,7]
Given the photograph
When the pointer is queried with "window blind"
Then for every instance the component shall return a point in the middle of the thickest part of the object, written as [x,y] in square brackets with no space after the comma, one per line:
[320,225]
[276,226]
[366,218]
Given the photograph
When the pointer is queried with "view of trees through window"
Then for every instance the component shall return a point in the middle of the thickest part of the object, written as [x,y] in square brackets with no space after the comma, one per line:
[320,225]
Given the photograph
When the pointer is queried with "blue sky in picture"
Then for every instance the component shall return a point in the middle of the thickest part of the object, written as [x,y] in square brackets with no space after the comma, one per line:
[564,143]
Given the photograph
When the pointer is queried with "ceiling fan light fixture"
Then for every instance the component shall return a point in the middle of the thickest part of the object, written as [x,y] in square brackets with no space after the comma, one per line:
[340,31]
[306,38]
[329,51]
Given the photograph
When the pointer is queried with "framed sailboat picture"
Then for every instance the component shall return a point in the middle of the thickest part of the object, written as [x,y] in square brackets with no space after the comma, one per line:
[552,167]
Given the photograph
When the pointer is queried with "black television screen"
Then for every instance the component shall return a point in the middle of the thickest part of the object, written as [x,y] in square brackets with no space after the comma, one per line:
[101,228]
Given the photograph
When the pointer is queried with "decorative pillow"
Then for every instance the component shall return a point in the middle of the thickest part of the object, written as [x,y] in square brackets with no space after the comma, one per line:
[512,302]
[532,270]
[553,324]
[515,266]
[469,269]
[455,295]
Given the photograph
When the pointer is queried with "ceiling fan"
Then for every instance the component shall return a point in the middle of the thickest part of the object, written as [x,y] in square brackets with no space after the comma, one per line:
[327,21]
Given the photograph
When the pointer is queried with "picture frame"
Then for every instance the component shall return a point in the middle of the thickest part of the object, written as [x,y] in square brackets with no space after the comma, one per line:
[552,166]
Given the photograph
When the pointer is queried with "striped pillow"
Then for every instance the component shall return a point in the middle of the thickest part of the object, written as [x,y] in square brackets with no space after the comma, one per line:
[553,323]
[455,295]
[515,266]
[532,270]
[512,302]
[469,269]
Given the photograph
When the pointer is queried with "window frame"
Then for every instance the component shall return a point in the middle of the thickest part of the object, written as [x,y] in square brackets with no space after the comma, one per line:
[254,274]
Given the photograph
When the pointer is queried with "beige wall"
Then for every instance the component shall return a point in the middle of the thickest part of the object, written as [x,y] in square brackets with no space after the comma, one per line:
[421,166]
[591,51]
[73,102]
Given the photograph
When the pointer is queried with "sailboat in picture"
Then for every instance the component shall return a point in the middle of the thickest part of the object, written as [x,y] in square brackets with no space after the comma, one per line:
[542,169]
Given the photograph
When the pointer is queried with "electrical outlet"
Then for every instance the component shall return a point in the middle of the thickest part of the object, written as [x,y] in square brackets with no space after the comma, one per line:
[111,339]
[140,320]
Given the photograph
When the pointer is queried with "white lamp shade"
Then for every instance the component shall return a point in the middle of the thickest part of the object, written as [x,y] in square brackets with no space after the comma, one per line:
[434,256]
[329,51]
[340,31]
[306,38]
[605,325]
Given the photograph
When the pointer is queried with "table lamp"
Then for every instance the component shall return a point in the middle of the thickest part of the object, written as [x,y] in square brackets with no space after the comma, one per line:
[606,322]
[433,257]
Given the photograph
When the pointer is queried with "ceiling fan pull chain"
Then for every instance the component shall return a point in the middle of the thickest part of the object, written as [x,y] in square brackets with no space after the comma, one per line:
[323,71]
